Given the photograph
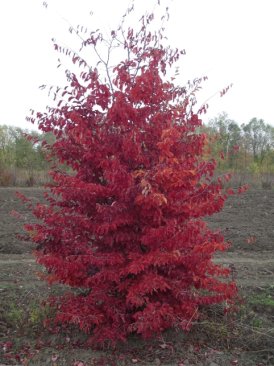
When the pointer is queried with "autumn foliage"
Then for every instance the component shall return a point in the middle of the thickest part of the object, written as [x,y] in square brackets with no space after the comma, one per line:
[123,225]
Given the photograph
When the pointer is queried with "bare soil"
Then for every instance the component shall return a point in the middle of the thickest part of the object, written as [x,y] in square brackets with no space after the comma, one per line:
[246,338]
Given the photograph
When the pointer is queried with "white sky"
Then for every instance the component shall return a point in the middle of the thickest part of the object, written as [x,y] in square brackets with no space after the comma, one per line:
[230,41]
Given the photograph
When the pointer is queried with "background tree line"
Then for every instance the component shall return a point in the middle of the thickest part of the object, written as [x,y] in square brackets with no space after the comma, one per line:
[22,157]
[246,150]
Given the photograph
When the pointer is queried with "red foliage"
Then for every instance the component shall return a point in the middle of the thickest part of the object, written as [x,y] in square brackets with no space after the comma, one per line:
[124,224]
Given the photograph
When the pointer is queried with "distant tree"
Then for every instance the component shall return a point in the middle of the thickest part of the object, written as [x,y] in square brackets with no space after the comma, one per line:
[25,153]
[259,138]
[228,137]
[21,149]
[7,152]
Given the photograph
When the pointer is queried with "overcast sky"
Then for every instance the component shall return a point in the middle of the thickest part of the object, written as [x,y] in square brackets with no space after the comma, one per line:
[230,41]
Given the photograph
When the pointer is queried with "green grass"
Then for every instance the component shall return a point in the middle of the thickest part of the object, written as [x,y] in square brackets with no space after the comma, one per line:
[264,299]
[32,315]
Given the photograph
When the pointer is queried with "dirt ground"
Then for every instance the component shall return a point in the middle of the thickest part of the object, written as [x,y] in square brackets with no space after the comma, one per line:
[216,340]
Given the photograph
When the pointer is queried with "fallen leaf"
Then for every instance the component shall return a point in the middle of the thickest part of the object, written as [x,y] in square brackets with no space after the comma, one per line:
[54,358]
[78,363]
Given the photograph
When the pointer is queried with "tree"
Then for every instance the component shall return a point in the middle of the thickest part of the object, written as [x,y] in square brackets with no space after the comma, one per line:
[259,138]
[125,226]
[6,146]
[20,151]
[228,137]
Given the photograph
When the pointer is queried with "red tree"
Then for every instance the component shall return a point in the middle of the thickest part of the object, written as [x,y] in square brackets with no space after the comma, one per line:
[123,224]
